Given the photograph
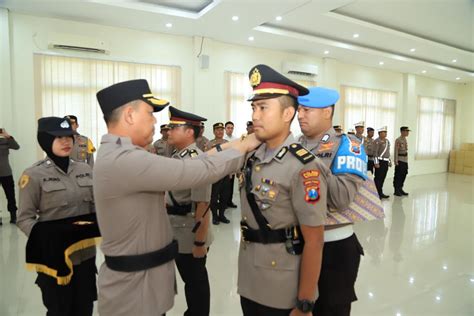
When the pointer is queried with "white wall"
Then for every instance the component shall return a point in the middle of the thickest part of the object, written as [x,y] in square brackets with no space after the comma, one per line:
[203,91]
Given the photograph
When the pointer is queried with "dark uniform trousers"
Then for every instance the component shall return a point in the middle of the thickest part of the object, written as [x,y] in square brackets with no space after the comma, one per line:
[380,174]
[339,269]
[370,166]
[75,299]
[401,171]
[219,197]
[196,284]
[230,188]
[251,308]
[8,185]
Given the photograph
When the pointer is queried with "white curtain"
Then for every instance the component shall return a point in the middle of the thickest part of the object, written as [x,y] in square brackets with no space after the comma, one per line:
[435,130]
[68,85]
[237,92]
[376,107]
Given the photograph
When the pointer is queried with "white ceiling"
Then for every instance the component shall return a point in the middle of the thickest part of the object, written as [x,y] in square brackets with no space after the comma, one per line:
[439,30]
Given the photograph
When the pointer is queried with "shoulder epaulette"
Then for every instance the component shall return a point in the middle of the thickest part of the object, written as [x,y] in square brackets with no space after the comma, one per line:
[301,153]
[183,153]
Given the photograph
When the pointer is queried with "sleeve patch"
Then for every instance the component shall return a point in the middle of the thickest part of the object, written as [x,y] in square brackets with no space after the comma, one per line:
[24,180]
[311,185]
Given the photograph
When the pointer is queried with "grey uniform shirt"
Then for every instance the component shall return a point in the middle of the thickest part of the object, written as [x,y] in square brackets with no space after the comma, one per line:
[268,274]
[183,225]
[369,147]
[163,148]
[401,149]
[342,188]
[381,150]
[5,145]
[83,150]
[47,193]
[129,190]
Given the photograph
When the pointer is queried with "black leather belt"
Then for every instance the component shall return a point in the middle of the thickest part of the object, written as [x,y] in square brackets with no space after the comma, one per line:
[273,236]
[181,210]
[402,155]
[144,261]
[370,156]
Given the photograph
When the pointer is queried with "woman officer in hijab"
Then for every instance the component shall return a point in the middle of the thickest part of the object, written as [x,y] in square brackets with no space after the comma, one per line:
[51,191]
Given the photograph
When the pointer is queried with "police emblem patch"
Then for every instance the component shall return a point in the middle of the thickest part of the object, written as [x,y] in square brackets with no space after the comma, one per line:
[255,78]
[24,180]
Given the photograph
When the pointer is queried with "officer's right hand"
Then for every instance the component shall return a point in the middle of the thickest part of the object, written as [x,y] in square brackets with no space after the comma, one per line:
[377,166]
[199,252]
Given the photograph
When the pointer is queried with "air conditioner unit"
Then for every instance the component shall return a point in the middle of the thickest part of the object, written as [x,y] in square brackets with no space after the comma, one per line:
[298,69]
[77,43]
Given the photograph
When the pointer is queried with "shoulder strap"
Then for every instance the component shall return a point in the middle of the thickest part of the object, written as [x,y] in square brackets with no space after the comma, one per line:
[173,200]
[301,153]
[257,213]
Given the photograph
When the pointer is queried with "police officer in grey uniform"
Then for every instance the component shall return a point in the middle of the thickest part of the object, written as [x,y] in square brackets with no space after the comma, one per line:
[202,142]
[7,142]
[57,188]
[342,249]
[138,276]
[400,156]
[162,147]
[83,150]
[359,131]
[220,191]
[369,149]
[187,208]
[381,160]
[283,198]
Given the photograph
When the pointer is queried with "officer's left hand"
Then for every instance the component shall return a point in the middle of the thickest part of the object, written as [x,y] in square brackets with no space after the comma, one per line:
[297,312]
[199,252]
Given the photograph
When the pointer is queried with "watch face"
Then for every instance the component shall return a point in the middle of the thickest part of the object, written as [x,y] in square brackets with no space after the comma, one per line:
[306,307]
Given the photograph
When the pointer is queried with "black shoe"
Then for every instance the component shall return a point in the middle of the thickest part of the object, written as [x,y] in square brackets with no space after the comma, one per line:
[215,221]
[397,193]
[403,192]
[231,205]
[383,196]
[224,220]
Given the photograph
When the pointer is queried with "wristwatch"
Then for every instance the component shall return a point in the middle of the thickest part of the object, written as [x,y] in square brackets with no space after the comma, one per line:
[305,306]
[199,243]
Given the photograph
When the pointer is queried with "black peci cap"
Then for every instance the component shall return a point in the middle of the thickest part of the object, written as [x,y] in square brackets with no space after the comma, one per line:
[405,128]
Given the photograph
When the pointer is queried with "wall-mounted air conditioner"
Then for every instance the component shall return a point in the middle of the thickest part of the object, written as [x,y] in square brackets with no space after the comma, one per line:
[299,69]
[77,43]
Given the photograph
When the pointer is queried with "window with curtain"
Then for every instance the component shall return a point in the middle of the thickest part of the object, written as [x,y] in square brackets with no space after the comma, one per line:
[376,107]
[240,111]
[435,130]
[68,85]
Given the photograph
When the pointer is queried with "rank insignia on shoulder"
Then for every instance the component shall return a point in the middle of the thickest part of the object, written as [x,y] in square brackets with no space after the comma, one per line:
[301,153]
[183,153]
[325,138]
[193,153]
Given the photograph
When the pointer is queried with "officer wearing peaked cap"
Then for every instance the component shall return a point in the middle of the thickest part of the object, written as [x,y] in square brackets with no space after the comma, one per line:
[337,128]
[138,276]
[283,198]
[53,189]
[400,157]
[381,160]
[162,147]
[342,249]
[369,149]
[359,131]
[187,208]
[83,150]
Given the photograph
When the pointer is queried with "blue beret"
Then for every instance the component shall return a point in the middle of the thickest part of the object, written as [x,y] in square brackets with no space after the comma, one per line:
[319,98]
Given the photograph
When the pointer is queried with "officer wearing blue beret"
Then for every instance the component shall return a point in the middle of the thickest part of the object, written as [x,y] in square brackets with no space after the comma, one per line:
[346,159]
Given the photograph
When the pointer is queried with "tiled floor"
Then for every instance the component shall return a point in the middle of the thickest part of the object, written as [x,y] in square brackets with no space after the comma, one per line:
[418,261]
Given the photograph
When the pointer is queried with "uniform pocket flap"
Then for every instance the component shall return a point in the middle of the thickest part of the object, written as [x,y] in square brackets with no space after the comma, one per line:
[275,257]
[84,182]
[50,186]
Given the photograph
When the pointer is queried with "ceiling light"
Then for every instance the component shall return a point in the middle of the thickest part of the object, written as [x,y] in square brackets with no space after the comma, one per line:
[235,18]
[412,50]
[381,63]
[472,280]
[355,35]
[454,60]
[371,294]
[412,279]
[326,52]
[169,25]
[458,78]
[438,298]
[423,71]
[399,314]
[278,18]
[251,38]
[445,267]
